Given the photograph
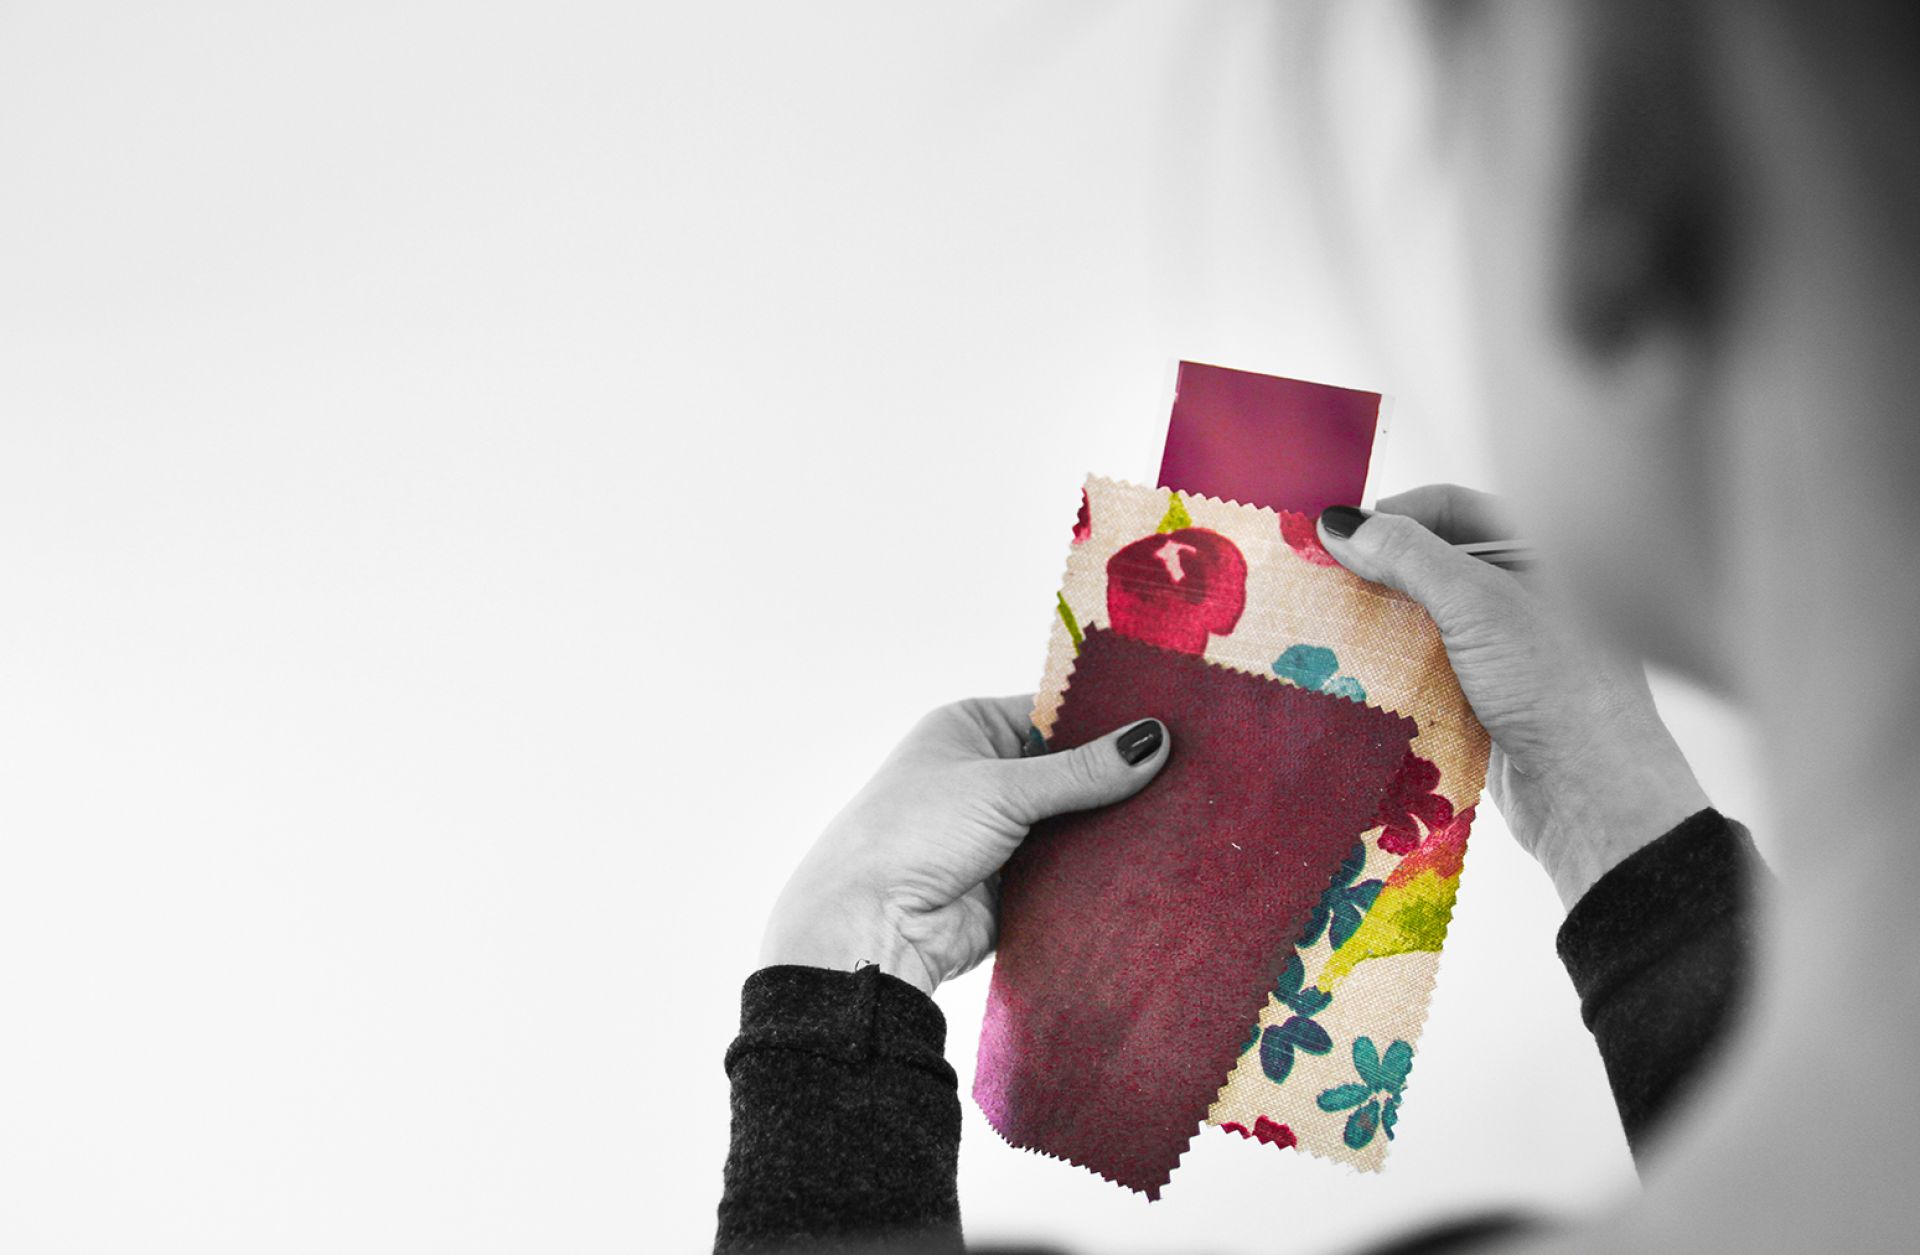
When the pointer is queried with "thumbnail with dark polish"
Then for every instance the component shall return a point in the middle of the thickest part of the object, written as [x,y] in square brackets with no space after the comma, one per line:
[1342,520]
[1138,743]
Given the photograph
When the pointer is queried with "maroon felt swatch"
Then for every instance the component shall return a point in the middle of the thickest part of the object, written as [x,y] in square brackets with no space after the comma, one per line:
[1139,942]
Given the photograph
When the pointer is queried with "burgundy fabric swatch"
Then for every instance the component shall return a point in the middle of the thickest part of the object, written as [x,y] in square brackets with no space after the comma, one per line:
[1266,441]
[1139,942]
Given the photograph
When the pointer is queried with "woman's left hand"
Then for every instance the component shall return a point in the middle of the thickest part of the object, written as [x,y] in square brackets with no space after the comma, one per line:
[907,875]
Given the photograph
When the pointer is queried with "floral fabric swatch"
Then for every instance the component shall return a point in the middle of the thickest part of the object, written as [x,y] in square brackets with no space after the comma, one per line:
[1253,590]
[1138,941]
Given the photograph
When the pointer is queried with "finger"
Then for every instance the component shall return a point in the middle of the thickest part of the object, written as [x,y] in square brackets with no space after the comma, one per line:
[1008,722]
[978,726]
[1101,772]
[1397,551]
[1459,516]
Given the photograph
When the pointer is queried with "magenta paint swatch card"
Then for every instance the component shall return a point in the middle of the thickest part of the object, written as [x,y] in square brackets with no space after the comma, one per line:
[1262,440]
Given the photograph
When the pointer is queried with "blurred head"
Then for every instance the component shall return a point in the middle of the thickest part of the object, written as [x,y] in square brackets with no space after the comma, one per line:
[1692,235]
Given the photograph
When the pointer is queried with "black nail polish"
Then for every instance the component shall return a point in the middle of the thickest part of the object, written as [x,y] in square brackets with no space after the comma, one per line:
[1138,743]
[1342,520]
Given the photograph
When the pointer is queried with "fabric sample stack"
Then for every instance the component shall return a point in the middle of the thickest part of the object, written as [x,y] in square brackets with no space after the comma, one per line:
[1252,941]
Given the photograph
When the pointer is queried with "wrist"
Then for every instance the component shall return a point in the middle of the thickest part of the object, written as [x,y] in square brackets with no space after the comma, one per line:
[1598,816]
[840,936]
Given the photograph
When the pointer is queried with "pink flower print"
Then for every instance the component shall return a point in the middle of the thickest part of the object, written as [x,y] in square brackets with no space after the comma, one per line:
[1410,803]
[1272,1132]
[1175,589]
[1083,525]
[1298,531]
[1442,853]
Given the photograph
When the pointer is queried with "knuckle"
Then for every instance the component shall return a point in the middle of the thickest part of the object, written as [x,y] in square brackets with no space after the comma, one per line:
[1030,799]
[970,712]
[966,710]
[1395,539]
[1483,599]
[1084,773]
[938,716]
[990,786]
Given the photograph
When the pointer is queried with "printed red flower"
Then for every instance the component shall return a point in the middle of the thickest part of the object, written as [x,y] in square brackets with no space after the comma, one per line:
[1410,803]
[1083,525]
[1174,589]
[1442,853]
[1271,1132]
[1298,531]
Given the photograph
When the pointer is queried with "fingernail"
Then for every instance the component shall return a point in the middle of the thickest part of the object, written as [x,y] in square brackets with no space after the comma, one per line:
[1138,743]
[1342,520]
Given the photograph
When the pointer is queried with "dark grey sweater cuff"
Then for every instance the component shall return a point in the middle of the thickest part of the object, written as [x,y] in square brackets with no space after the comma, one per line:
[846,1117]
[848,1017]
[1660,950]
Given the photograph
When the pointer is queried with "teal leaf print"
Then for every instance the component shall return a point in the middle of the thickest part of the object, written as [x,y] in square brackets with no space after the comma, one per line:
[1396,1063]
[1366,1061]
[1299,1032]
[1309,666]
[1382,1075]
[1350,910]
[1341,907]
[1340,1097]
[1313,667]
[1307,1001]
[1361,1124]
[1348,687]
[1279,1042]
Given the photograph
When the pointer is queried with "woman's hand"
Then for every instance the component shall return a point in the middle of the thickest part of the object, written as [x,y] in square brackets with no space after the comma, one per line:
[1583,769]
[907,875]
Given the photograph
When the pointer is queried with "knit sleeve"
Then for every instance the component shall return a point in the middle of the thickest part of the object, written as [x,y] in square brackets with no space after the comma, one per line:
[1660,950]
[846,1117]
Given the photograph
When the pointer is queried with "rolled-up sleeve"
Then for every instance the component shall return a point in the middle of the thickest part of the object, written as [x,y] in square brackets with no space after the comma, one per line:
[1660,950]
[846,1117]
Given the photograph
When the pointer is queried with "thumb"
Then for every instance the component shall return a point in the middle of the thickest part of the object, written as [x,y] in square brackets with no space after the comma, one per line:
[1399,552]
[1116,766]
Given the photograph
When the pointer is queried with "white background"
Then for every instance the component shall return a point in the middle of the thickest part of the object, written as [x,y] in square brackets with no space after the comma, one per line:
[483,482]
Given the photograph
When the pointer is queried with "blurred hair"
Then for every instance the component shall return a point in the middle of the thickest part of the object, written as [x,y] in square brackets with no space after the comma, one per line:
[1653,185]
[1656,189]
[1864,58]
[1861,56]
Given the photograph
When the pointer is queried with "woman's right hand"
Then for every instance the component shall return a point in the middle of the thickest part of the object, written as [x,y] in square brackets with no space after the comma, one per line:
[1583,769]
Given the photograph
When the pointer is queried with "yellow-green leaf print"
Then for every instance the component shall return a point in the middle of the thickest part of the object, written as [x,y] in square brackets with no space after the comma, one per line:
[1405,918]
[1073,624]
[1413,908]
